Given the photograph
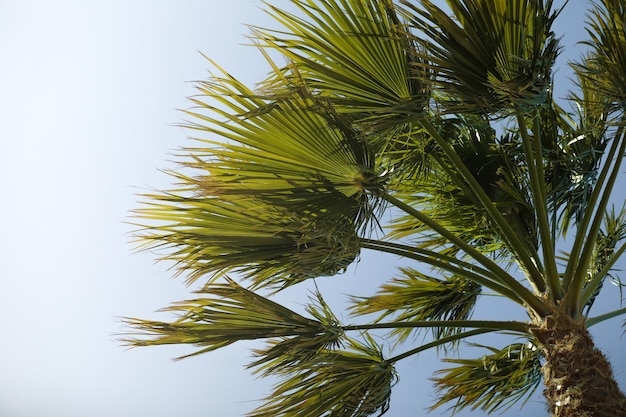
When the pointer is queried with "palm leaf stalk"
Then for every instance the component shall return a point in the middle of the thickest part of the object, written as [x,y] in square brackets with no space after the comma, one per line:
[593,220]
[421,132]
[534,152]
[442,261]
[602,317]
[505,278]
[509,235]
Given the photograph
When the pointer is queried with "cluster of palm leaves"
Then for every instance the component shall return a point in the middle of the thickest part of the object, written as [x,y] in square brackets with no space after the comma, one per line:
[443,119]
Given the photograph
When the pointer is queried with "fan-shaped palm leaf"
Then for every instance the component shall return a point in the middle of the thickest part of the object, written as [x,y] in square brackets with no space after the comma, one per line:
[286,177]
[494,54]
[355,56]
[270,148]
[352,53]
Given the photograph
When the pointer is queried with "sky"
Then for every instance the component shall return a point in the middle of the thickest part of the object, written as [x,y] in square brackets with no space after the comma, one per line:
[89,92]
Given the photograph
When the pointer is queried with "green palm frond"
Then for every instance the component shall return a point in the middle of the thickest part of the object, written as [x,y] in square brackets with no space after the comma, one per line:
[276,149]
[592,105]
[416,296]
[270,245]
[494,382]
[606,65]
[356,58]
[491,55]
[573,163]
[339,383]
[284,179]
[231,314]
[496,164]
[612,234]
[590,226]
[583,142]
[352,53]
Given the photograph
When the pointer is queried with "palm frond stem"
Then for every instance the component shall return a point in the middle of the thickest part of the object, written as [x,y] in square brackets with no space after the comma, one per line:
[574,305]
[439,342]
[581,231]
[602,317]
[514,326]
[503,277]
[534,161]
[408,251]
[466,270]
[520,250]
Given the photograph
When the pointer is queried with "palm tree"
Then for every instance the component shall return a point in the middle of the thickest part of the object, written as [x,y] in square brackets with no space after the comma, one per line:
[444,122]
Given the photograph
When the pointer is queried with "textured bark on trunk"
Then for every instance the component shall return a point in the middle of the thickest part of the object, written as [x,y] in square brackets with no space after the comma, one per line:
[578,378]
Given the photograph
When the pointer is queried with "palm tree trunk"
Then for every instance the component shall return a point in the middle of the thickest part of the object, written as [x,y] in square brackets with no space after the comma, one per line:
[578,378]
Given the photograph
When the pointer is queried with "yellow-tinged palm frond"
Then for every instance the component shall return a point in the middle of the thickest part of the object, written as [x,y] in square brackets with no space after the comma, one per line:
[286,181]
[494,382]
[355,54]
[356,58]
[592,106]
[269,148]
[583,142]
[416,297]
[340,383]
[491,55]
[598,198]
[268,244]
[572,151]
[231,314]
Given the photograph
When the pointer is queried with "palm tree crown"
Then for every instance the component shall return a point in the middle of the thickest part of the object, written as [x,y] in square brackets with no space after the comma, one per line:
[444,122]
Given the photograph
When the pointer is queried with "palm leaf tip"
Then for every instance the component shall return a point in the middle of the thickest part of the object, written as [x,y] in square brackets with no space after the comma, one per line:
[494,382]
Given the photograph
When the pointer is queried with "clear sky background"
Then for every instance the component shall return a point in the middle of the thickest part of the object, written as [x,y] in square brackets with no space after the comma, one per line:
[88,97]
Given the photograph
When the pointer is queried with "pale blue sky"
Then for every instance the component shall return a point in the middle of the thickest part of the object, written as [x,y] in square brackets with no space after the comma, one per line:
[88,97]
